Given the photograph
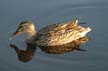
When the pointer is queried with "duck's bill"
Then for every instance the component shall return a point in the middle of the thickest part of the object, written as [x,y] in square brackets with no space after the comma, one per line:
[15,34]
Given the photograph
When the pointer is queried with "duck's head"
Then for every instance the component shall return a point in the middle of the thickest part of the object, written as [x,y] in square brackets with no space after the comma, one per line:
[25,27]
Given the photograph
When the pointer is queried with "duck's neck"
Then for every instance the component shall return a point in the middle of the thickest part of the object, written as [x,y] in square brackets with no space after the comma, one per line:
[31,35]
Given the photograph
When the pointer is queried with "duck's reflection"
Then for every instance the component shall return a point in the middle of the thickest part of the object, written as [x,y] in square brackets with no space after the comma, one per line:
[26,55]
[60,49]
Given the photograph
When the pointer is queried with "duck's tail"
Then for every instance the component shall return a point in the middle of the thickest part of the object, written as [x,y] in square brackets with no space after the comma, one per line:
[88,29]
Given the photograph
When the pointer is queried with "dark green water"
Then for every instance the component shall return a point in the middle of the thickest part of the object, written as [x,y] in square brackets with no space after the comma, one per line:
[42,13]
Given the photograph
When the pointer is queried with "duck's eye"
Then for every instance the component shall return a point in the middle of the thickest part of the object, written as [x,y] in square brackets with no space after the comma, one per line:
[21,28]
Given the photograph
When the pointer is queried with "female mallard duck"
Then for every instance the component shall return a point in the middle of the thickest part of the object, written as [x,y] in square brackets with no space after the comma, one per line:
[56,38]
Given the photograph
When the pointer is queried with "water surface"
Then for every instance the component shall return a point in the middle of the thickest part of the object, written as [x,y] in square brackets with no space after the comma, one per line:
[43,13]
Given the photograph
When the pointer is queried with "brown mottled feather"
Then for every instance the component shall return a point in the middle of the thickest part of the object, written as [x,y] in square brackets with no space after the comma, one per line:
[58,34]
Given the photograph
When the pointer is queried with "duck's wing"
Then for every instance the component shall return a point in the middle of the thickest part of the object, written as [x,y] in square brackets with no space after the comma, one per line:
[59,34]
[58,26]
[51,28]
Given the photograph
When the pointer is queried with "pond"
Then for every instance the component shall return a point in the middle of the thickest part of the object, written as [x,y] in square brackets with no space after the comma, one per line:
[43,13]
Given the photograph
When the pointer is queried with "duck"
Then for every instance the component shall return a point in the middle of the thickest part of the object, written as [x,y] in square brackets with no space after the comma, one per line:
[56,38]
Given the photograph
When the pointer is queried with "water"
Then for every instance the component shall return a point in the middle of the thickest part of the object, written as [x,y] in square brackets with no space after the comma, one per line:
[43,13]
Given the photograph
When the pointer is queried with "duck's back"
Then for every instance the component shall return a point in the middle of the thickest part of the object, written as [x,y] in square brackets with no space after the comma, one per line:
[59,34]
